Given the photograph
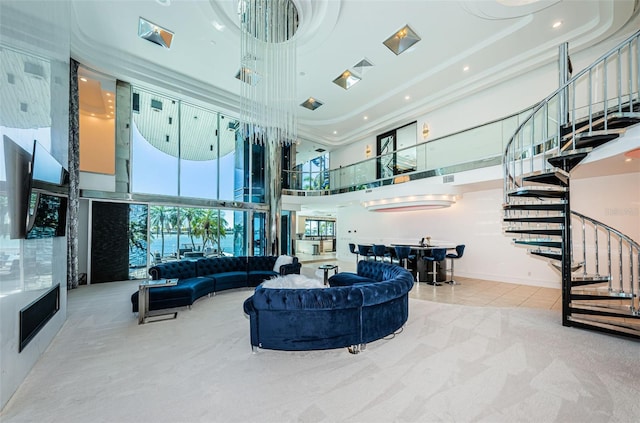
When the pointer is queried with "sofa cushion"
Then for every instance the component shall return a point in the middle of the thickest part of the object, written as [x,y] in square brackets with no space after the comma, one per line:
[348,279]
[230,280]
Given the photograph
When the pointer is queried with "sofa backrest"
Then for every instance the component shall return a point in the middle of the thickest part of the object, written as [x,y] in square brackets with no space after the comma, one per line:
[262,262]
[181,269]
[212,265]
[307,299]
[371,269]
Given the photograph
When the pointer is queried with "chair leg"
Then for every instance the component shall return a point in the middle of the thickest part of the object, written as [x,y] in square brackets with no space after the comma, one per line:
[452,281]
[435,276]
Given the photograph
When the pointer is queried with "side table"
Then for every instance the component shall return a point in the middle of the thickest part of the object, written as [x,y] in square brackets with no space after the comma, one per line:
[326,268]
[143,300]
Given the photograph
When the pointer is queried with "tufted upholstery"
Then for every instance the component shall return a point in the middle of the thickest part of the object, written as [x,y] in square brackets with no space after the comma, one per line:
[334,317]
[197,278]
[174,269]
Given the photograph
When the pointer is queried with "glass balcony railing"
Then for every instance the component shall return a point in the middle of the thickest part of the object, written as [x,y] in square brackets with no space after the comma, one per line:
[474,148]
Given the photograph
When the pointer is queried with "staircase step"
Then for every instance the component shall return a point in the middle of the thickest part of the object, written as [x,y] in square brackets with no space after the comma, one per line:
[550,254]
[541,242]
[580,280]
[536,231]
[539,192]
[569,159]
[555,176]
[574,266]
[593,310]
[601,297]
[536,219]
[557,206]
[621,329]
[592,139]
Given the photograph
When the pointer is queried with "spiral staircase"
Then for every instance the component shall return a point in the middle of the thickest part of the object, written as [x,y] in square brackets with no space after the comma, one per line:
[600,266]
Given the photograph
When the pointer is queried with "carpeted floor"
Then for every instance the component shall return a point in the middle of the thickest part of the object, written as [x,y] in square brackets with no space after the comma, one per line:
[450,363]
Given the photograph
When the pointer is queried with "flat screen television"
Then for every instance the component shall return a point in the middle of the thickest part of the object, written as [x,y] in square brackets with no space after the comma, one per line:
[17,186]
[37,187]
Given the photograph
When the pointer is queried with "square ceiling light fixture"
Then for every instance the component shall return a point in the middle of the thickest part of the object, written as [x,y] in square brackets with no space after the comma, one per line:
[402,40]
[154,33]
[311,103]
[347,79]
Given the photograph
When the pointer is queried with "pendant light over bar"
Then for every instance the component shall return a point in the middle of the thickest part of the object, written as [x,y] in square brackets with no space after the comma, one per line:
[269,70]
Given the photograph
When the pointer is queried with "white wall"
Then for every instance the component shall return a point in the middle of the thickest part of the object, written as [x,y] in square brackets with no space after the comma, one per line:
[42,262]
[476,221]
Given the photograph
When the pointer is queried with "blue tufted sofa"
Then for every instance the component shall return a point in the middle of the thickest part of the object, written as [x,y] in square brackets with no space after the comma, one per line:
[197,278]
[357,309]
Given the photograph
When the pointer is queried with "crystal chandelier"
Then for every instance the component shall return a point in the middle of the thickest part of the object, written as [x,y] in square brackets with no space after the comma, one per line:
[268,70]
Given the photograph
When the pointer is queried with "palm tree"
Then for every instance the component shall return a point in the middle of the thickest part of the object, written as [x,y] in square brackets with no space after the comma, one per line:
[158,218]
[191,215]
[209,226]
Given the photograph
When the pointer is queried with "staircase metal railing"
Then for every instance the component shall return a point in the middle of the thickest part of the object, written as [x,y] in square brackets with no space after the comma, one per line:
[588,98]
[618,258]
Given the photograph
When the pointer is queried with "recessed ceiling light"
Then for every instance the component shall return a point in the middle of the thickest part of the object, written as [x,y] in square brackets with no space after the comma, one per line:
[557,24]
[164,2]
[466,68]
[347,79]
[311,103]
[154,33]
[404,38]
[83,79]
[335,132]
[628,159]
[407,97]
[108,94]
[366,117]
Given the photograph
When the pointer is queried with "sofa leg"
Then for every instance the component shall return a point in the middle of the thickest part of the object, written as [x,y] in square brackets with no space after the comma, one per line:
[355,349]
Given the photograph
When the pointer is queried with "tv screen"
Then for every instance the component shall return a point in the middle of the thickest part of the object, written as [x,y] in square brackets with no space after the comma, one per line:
[17,186]
[47,216]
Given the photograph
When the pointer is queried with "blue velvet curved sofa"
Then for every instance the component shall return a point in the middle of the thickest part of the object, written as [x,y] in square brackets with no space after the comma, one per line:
[197,278]
[354,310]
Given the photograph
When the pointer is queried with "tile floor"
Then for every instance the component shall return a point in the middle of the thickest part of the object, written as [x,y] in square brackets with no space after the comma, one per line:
[469,291]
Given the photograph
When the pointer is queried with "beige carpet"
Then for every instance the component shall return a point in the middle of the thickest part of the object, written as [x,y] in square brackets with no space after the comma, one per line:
[451,363]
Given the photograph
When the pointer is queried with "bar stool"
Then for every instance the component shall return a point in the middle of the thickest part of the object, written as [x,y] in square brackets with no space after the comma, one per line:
[378,251]
[365,250]
[352,249]
[403,253]
[437,254]
[453,257]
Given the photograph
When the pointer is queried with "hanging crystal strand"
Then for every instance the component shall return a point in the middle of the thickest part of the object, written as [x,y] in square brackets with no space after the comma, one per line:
[268,66]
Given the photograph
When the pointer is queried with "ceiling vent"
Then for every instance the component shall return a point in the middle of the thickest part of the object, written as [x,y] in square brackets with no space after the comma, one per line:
[34,69]
[156,105]
[320,150]
[11,79]
[447,179]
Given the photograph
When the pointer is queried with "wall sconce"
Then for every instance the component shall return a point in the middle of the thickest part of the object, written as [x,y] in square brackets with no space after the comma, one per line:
[425,130]
[367,151]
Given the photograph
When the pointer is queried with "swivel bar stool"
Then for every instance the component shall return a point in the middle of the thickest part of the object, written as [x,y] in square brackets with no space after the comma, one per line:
[453,258]
[437,255]
[378,251]
[365,251]
[352,249]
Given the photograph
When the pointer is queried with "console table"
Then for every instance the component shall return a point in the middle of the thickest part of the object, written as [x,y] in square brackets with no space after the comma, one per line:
[143,300]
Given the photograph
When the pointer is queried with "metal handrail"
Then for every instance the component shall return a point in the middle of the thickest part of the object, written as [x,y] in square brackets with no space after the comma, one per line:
[512,156]
[621,238]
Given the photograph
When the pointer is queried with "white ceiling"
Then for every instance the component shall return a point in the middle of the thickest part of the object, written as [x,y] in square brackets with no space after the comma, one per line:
[496,39]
